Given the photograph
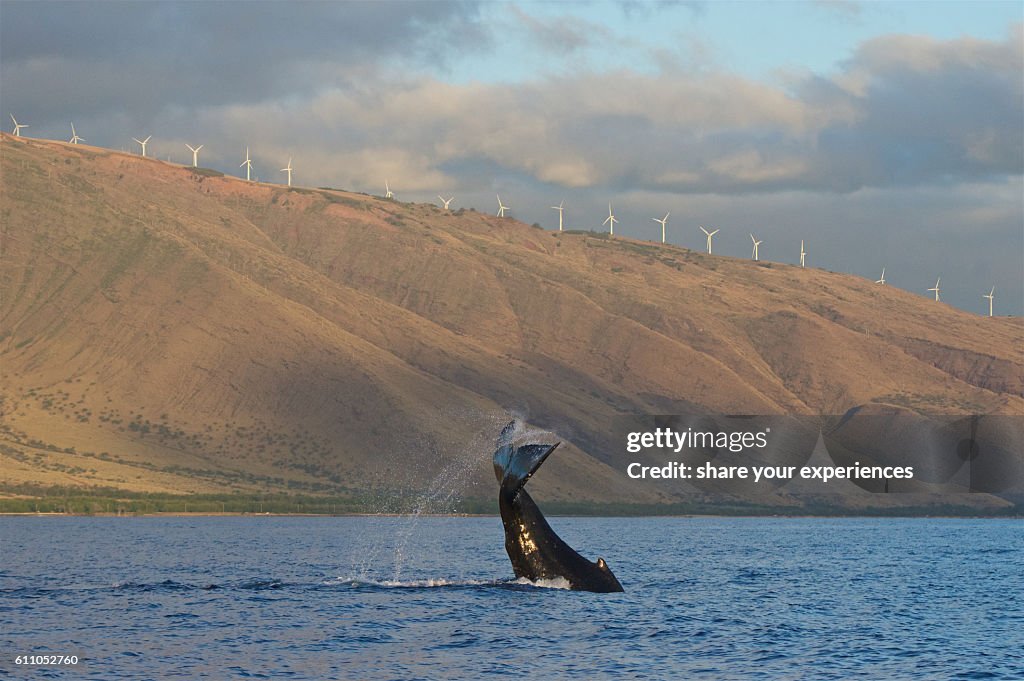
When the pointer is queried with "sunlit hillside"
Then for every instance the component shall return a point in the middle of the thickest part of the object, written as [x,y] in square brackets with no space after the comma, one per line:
[164,328]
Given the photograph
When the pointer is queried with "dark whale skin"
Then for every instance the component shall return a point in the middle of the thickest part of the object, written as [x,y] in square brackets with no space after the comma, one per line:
[538,553]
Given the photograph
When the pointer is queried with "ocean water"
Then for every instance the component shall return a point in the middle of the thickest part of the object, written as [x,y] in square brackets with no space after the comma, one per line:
[434,598]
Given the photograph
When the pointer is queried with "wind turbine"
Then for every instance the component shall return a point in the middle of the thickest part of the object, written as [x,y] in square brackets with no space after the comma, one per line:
[709,235]
[387,191]
[248,165]
[610,220]
[881,279]
[560,208]
[195,154]
[756,244]
[288,169]
[991,295]
[662,221]
[75,139]
[446,201]
[17,126]
[501,208]
[143,143]
[803,253]
[936,289]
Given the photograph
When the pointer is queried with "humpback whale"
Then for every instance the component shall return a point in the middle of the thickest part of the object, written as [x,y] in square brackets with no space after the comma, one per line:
[533,547]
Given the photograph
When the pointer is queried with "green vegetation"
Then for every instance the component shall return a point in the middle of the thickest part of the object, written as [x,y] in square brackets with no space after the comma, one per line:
[106,500]
[100,500]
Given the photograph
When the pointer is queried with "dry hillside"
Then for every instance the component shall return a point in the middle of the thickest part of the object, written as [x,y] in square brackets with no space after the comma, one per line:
[170,329]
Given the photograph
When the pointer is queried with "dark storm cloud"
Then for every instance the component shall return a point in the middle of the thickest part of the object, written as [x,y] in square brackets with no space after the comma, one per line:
[922,110]
[142,55]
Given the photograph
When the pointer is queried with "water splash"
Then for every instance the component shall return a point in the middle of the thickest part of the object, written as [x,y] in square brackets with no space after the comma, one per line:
[459,469]
[445,490]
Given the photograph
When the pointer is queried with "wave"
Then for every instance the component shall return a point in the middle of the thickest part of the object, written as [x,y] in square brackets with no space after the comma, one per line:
[270,584]
[172,585]
[443,582]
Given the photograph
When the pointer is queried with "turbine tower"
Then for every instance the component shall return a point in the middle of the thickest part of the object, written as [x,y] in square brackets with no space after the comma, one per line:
[560,208]
[75,139]
[662,221]
[288,169]
[195,154]
[709,235]
[501,208]
[143,143]
[17,126]
[756,244]
[881,279]
[803,254]
[991,295]
[248,166]
[446,201]
[936,289]
[387,191]
[610,221]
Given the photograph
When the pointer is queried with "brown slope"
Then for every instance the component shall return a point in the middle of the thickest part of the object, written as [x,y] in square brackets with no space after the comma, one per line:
[158,315]
[322,336]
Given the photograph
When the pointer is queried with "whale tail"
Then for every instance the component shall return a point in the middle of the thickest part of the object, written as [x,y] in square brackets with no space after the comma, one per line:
[513,466]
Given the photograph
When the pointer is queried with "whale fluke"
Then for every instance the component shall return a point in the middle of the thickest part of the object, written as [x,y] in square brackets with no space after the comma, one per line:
[534,549]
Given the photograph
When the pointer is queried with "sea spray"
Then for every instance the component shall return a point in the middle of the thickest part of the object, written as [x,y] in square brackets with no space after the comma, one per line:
[445,490]
[410,463]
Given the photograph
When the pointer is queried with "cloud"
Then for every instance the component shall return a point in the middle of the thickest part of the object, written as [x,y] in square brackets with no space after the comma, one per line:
[565,34]
[141,56]
[907,133]
[846,10]
[633,7]
[903,111]
[925,111]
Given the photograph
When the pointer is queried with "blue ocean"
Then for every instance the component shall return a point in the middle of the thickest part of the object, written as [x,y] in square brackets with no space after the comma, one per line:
[434,598]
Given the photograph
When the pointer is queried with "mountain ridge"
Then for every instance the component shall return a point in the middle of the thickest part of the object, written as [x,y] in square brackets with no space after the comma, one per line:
[326,340]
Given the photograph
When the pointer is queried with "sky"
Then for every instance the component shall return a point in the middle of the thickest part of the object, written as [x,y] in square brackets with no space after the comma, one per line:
[883,134]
